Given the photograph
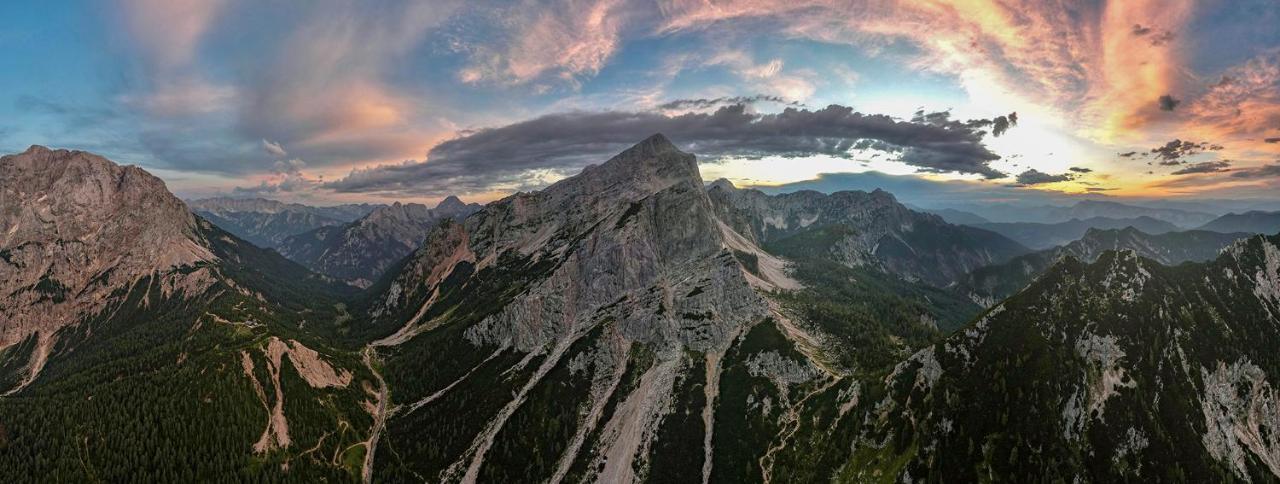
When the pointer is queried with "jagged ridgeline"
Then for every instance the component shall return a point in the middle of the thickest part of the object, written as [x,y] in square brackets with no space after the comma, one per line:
[627,324]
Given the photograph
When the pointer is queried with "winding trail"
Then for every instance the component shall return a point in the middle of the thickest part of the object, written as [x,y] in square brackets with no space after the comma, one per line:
[379,418]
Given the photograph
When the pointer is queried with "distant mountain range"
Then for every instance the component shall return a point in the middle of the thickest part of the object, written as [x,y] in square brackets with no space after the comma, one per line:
[956,217]
[1254,222]
[990,284]
[857,228]
[625,324]
[1086,209]
[360,251]
[1044,235]
[266,223]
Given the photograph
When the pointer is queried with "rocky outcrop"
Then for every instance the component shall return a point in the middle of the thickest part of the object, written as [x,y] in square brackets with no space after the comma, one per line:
[75,229]
[858,228]
[361,251]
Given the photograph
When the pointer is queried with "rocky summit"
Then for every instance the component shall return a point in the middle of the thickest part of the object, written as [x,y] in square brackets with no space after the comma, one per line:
[626,324]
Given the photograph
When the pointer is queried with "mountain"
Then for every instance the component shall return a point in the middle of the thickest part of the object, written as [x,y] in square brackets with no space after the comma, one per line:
[989,285]
[956,217]
[1118,370]
[1087,209]
[139,341]
[1254,222]
[1046,235]
[620,325]
[857,228]
[605,295]
[359,252]
[613,328]
[266,223]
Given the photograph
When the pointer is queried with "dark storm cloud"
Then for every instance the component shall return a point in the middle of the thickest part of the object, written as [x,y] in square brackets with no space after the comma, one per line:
[1168,102]
[703,103]
[1037,177]
[1078,169]
[565,142]
[1205,167]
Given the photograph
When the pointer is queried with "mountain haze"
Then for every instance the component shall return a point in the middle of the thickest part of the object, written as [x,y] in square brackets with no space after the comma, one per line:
[360,251]
[266,223]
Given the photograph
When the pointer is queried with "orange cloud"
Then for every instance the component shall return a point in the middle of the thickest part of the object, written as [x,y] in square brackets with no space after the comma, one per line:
[1058,56]
[572,38]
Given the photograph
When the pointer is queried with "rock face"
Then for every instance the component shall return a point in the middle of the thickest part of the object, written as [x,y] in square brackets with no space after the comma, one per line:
[620,282]
[114,296]
[361,251]
[74,229]
[267,223]
[858,228]
[990,284]
[1118,369]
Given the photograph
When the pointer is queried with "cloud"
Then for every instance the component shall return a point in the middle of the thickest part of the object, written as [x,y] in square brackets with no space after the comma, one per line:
[1174,152]
[704,103]
[324,90]
[562,143]
[1078,169]
[274,149]
[1168,103]
[170,30]
[1075,59]
[1204,167]
[1037,177]
[287,177]
[1243,105]
[1272,140]
[562,40]
[1265,171]
[769,76]
[1158,38]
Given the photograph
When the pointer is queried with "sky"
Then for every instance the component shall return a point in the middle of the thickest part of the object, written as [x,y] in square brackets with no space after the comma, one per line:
[330,101]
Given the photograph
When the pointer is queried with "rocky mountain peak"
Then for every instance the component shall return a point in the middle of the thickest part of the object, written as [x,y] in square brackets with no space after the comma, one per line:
[451,203]
[634,240]
[646,168]
[722,184]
